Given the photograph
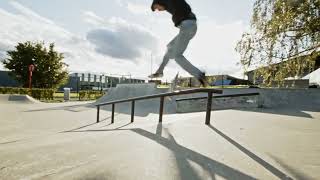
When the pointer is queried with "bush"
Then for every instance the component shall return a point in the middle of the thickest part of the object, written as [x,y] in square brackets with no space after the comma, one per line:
[39,94]
[90,95]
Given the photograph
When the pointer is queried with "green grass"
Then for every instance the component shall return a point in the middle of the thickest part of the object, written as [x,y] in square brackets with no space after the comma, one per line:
[61,95]
[58,97]
[163,86]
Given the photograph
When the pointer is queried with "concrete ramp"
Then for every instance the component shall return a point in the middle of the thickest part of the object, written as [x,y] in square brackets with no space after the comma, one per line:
[12,98]
[144,107]
[308,99]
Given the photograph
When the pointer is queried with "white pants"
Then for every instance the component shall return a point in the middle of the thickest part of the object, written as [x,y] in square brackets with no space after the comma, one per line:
[177,47]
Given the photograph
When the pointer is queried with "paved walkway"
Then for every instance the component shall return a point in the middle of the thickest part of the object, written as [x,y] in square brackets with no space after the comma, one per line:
[62,141]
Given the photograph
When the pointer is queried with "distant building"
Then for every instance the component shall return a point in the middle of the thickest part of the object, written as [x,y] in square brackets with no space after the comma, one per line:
[91,81]
[77,81]
[7,81]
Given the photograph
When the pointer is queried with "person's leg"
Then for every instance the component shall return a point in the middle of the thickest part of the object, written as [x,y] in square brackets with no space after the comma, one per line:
[188,30]
[187,66]
[176,48]
[165,61]
[168,55]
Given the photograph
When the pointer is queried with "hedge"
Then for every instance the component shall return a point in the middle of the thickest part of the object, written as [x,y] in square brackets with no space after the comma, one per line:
[35,93]
[90,95]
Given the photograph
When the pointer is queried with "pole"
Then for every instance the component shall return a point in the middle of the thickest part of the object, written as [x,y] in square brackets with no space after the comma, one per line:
[101,84]
[222,81]
[151,64]
[30,79]
[98,114]
[132,111]
[31,69]
[78,87]
[112,114]
[161,109]
[209,105]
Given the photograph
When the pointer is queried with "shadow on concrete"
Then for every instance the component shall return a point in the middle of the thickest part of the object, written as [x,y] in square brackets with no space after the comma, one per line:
[142,111]
[256,158]
[85,126]
[9,142]
[159,129]
[88,125]
[144,107]
[185,169]
[295,112]
[123,126]
[89,130]
[183,155]
[73,108]
[296,173]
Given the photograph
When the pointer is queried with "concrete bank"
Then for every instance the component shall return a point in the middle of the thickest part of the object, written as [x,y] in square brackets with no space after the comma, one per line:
[268,98]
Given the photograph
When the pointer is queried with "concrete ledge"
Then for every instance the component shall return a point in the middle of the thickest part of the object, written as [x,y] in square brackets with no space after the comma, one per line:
[198,105]
[268,98]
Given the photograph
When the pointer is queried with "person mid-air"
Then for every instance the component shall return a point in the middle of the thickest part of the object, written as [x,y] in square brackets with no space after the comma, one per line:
[186,21]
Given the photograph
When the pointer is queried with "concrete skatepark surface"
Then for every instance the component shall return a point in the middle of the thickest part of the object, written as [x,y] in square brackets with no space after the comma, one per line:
[5,98]
[62,141]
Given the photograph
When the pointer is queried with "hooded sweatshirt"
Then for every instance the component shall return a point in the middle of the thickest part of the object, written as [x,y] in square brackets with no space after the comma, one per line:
[179,9]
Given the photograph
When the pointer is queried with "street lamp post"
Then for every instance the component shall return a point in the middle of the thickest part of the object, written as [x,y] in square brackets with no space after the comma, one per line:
[78,83]
[222,81]
[31,69]
[101,77]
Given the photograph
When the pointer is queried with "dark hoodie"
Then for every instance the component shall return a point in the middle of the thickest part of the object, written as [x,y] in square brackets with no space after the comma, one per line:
[179,9]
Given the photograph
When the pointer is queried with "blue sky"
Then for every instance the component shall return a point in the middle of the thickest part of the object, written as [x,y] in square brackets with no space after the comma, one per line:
[121,36]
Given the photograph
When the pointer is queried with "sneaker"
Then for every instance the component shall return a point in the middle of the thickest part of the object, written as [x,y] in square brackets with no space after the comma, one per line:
[156,75]
[203,81]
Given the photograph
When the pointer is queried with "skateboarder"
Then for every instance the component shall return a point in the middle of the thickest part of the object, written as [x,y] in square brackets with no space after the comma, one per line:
[184,19]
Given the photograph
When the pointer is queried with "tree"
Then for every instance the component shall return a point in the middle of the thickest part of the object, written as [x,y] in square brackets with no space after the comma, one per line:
[282,30]
[50,71]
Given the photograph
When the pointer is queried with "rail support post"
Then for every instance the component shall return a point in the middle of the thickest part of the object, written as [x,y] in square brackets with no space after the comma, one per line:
[209,104]
[161,109]
[132,111]
[112,114]
[98,114]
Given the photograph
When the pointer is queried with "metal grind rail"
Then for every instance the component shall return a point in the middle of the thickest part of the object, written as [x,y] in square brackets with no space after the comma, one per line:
[161,96]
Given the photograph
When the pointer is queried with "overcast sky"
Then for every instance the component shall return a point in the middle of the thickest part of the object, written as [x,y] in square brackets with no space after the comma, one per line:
[122,36]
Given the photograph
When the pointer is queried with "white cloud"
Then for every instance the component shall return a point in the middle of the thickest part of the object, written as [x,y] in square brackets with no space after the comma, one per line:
[212,49]
[91,18]
[29,13]
[80,54]
[136,7]
[139,8]
[120,39]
